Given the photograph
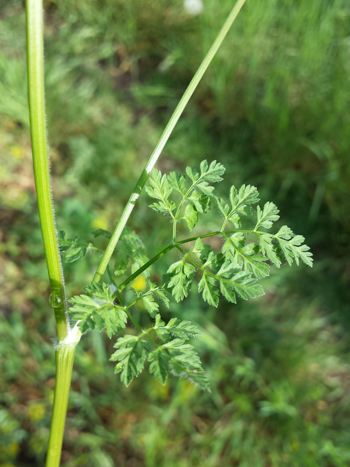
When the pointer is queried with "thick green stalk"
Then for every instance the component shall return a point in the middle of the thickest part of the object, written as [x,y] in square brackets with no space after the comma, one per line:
[64,366]
[36,96]
[164,139]
[67,338]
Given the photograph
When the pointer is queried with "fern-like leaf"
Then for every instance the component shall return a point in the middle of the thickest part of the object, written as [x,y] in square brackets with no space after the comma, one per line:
[293,247]
[181,278]
[158,188]
[267,216]
[130,357]
[96,309]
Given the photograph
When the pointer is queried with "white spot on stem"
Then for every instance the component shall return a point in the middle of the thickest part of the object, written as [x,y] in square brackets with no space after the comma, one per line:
[72,338]
[193,7]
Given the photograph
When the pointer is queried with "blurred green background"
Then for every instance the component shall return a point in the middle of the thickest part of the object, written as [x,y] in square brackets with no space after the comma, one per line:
[274,108]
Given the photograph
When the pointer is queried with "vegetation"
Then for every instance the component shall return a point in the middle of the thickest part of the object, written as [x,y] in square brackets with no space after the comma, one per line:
[233,271]
[273,111]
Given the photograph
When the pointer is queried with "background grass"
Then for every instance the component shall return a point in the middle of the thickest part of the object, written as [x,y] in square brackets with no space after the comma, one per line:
[274,109]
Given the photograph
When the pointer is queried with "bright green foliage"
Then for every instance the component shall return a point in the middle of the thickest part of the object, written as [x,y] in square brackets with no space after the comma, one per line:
[175,328]
[267,248]
[160,189]
[165,348]
[96,308]
[266,216]
[151,298]
[240,199]
[207,175]
[245,251]
[184,197]
[178,358]
[245,255]
[247,195]
[218,276]
[180,282]
[293,247]
[248,250]
[130,355]
[233,284]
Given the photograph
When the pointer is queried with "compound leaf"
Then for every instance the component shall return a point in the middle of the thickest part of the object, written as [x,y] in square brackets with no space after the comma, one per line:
[159,364]
[208,288]
[267,216]
[268,249]
[181,278]
[184,362]
[293,247]
[176,328]
[159,188]
[245,256]
[208,175]
[247,195]
[96,308]
[130,355]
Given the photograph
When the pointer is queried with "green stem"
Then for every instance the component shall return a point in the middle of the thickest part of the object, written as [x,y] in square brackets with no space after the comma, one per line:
[145,266]
[174,230]
[171,246]
[67,338]
[164,139]
[64,365]
[36,96]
